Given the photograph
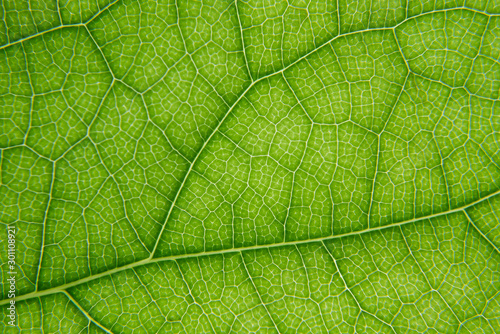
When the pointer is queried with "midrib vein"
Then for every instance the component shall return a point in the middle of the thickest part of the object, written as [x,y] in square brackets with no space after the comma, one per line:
[62,288]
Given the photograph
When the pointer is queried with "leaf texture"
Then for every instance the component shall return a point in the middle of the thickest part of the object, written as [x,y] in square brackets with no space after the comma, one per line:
[251,166]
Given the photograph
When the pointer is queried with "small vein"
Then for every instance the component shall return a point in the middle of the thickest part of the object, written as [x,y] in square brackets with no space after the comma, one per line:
[85,313]
[425,276]
[240,28]
[309,287]
[60,26]
[192,295]
[257,291]
[44,224]
[361,309]
[480,232]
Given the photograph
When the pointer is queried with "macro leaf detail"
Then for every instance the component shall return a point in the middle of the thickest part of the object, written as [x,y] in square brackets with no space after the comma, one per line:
[251,166]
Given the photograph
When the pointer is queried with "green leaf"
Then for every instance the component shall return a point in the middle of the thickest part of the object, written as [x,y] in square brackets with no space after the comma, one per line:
[251,166]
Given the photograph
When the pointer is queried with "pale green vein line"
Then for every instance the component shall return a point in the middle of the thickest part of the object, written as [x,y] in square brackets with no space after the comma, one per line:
[200,303]
[453,87]
[87,315]
[42,326]
[338,17]
[242,249]
[379,137]
[340,35]
[61,26]
[32,97]
[240,28]
[4,23]
[257,292]
[186,176]
[440,150]
[44,224]
[40,34]
[361,309]
[309,287]
[480,232]
[183,278]
[58,7]
[425,276]
[101,11]
[414,258]
[189,54]
[102,54]
[487,304]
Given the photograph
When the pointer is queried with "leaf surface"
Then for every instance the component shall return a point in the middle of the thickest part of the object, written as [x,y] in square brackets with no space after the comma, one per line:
[251,166]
